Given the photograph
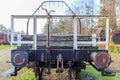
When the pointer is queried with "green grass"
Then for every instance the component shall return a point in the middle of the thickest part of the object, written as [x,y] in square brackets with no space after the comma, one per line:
[93,74]
[27,75]
[115,52]
[117,45]
[115,49]
[4,47]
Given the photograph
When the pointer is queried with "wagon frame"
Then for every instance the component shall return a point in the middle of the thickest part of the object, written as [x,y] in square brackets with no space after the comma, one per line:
[58,58]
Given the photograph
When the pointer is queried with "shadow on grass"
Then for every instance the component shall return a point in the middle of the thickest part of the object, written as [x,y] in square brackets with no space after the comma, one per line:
[91,74]
[85,75]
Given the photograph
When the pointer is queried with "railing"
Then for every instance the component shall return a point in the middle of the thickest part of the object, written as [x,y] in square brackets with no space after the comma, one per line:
[75,42]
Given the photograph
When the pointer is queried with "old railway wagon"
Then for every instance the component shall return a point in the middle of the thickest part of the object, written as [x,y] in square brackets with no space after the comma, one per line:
[3,38]
[43,52]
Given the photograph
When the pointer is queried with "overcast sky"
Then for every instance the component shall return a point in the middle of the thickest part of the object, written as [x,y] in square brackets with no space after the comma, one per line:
[15,7]
[19,7]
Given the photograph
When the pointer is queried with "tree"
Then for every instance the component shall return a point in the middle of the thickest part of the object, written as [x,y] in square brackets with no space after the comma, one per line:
[118,13]
[61,26]
[82,7]
[108,8]
[56,26]
[45,29]
[3,28]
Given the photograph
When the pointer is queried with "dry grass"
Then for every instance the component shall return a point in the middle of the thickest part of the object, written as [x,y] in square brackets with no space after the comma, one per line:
[115,65]
[4,66]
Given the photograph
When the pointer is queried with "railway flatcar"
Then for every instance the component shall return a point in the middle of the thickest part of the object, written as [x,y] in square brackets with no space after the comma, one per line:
[3,38]
[60,52]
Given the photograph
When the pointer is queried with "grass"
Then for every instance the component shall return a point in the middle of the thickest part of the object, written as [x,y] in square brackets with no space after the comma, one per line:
[27,74]
[93,74]
[4,47]
[4,57]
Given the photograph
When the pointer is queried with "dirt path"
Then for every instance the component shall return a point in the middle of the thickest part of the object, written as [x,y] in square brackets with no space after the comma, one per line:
[4,66]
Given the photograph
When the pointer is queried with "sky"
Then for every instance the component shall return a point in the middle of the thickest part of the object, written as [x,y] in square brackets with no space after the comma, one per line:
[19,7]
[16,7]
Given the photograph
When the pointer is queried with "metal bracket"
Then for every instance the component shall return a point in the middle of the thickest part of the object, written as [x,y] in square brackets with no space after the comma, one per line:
[70,70]
[60,68]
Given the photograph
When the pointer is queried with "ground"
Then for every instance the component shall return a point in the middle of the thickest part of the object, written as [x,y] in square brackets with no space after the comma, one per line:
[4,65]
[88,74]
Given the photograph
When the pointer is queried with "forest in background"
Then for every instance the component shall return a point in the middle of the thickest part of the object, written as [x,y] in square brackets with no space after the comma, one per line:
[111,8]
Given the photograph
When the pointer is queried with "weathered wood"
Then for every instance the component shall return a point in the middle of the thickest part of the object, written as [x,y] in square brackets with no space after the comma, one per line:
[56,40]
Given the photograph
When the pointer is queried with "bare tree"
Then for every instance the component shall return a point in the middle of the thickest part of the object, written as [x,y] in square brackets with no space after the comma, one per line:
[83,7]
[108,8]
[118,13]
